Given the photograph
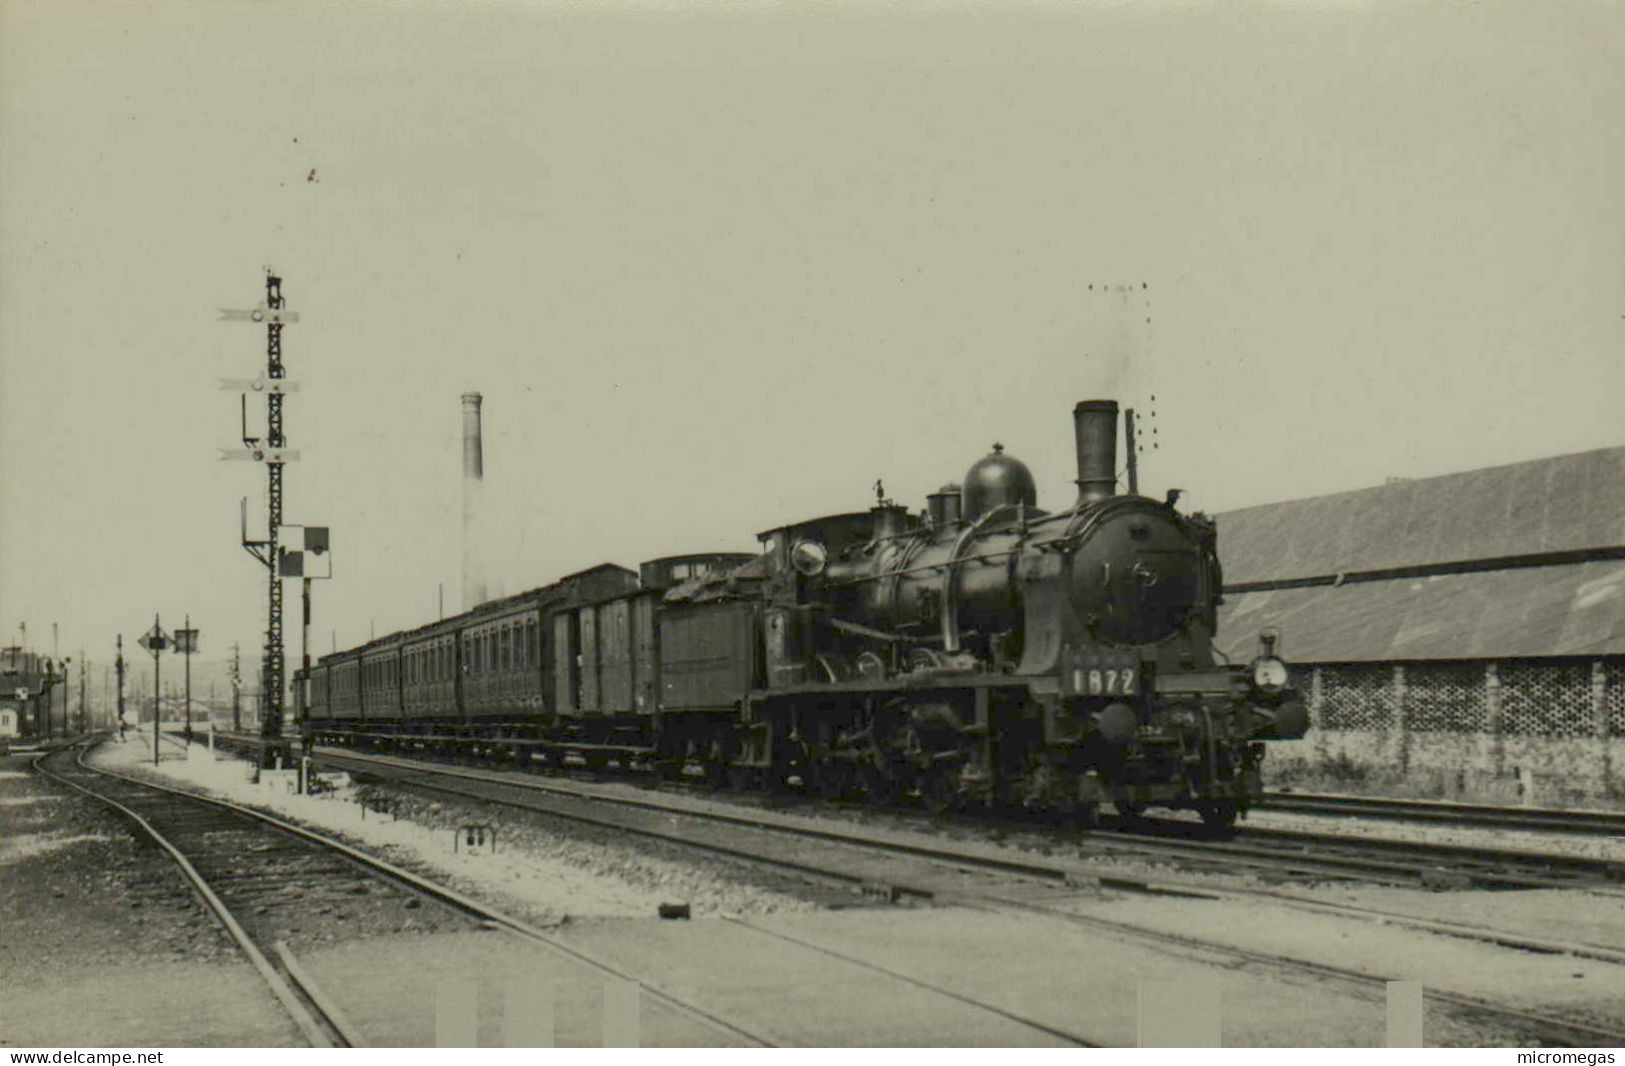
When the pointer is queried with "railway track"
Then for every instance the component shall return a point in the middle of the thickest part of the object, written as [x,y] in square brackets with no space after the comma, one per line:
[1426,864]
[212,846]
[954,872]
[1289,855]
[240,861]
[1589,823]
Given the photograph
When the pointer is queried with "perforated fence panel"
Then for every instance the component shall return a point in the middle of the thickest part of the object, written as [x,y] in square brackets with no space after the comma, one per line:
[1613,697]
[1552,698]
[1445,698]
[1547,699]
[1356,696]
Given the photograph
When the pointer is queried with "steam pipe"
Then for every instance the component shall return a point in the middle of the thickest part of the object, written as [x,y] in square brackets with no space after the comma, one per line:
[1133,452]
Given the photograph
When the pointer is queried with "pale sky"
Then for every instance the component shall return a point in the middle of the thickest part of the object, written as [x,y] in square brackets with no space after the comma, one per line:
[718,267]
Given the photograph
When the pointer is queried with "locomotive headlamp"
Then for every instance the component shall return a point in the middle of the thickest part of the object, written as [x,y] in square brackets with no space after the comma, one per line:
[1269,674]
[809,557]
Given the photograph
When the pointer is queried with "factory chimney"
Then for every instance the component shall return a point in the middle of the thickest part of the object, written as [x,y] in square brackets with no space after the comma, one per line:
[473,494]
[1094,424]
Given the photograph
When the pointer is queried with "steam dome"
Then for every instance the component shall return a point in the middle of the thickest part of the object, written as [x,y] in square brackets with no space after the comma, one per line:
[995,480]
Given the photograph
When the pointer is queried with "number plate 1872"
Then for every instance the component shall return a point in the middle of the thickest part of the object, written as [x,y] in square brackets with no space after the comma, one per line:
[1105,680]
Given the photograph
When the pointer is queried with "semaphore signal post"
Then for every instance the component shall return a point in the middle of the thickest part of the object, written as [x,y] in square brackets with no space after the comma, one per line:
[273,452]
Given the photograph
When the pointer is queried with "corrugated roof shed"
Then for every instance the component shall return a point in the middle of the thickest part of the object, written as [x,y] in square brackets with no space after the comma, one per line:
[1550,505]
[1571,501]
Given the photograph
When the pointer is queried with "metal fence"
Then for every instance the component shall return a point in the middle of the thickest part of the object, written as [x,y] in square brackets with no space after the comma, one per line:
[1566,698]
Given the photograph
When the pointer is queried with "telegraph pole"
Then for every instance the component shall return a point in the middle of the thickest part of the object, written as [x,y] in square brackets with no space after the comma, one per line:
[84,719]
[118,667]
[304,654]
[273,452]
[50,683]
[236,691]
[50,692]
[155,641]
[186,644]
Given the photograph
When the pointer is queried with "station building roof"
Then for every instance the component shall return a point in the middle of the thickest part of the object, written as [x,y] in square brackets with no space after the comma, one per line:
[1525,560]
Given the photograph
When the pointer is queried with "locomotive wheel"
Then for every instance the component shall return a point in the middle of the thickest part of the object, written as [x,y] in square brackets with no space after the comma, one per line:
[940,790]
[833,779]
[882,787]
[1219,817]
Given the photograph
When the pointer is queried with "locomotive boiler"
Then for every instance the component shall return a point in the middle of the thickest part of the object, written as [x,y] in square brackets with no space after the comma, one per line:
[987,650]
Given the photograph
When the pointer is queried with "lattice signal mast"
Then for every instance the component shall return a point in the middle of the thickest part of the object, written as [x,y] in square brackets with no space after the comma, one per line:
[272,450]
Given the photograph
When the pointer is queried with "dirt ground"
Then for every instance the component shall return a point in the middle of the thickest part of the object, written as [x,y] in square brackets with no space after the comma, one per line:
[102,944]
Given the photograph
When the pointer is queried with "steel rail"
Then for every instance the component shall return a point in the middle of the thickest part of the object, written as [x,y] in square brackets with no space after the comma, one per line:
[1046,869]
[1564,1029]
[1390,861]
[456,900]
[1575,1032]
[1544,819]
[1404,870]
[318,1029]
[1552,1027]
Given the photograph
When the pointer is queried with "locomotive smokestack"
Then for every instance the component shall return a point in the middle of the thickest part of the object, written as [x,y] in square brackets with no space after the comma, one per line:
[473,493]
[1094,424]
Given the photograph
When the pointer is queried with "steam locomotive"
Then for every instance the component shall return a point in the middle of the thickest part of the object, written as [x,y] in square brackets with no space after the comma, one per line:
[981,652]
